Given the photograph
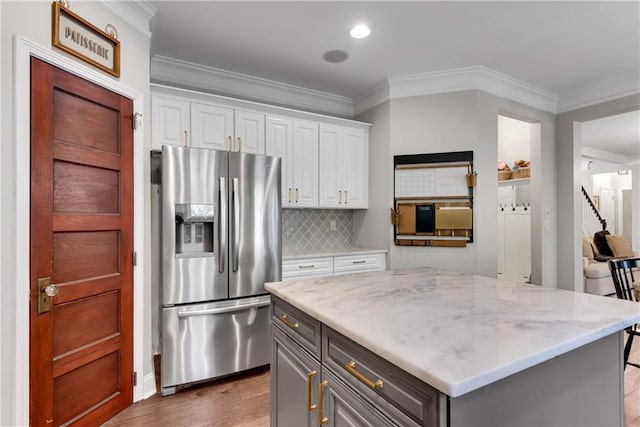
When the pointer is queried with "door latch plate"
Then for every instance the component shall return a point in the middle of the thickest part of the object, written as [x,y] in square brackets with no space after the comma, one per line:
[44,300]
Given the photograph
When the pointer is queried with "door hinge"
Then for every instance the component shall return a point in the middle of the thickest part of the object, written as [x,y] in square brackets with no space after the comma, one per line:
[137,120]
[135,378]
[135,258]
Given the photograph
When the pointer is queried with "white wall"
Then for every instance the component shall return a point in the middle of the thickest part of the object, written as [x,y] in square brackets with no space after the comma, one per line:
[514,140]
[569,196]
[458,122]
[32,20]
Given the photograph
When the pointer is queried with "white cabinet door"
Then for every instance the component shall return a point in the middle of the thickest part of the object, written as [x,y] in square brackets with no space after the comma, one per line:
[330,167]
[249,132]
[344,162]
[279,139]
[356,169]
[170,122]
[211,126]
[305,164]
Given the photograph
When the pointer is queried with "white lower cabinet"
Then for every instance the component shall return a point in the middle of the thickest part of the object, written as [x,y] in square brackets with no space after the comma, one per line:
[308,267]
[358,263]
[338,264]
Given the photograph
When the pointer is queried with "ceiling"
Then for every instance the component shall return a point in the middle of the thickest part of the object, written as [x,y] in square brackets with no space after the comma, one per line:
[560,47]
[615,139]
[564,48]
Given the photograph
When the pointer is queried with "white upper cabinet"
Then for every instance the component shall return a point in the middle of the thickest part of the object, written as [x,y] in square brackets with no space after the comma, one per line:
[296,142]
[170,121]
[249,132]
[203,125]
[344,154]
[211,127]
[305,164]
[325,159]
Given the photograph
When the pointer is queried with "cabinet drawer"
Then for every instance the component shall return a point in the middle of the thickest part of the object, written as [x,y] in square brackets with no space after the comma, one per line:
[380,380]
[357,263]
[300,268]
[302,328]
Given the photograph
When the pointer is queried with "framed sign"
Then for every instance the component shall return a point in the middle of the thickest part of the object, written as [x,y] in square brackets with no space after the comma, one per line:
[83,40]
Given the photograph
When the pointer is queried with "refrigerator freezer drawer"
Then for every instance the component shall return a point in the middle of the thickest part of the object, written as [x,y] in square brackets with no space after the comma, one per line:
[204,341]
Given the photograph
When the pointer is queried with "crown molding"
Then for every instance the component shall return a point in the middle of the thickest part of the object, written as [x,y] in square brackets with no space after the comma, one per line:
[135,13]
[472,78]
[375,96]
[625,86]
[180,73]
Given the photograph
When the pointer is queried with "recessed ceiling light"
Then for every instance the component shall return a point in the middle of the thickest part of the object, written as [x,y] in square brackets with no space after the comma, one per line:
[360,31]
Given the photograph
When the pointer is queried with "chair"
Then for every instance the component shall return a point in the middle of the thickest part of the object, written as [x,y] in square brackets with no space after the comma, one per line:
[626,276]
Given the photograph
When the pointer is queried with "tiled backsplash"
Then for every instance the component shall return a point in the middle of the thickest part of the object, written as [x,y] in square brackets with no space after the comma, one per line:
[309,229]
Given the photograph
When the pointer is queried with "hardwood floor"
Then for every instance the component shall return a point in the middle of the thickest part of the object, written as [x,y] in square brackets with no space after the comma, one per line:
[238,401]
[244,401]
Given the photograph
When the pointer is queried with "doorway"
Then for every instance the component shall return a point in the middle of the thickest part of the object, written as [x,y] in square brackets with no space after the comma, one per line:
[514,199]
[81,249]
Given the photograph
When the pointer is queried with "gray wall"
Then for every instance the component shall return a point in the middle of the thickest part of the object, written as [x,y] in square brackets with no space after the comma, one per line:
[457,122]
[32,20]
[372,227]
[569,197]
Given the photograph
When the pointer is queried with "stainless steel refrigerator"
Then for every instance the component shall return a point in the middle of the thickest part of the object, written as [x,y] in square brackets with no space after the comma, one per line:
[220,226]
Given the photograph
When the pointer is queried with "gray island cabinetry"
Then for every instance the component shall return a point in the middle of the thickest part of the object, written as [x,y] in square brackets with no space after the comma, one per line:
[323,378]
[426,347]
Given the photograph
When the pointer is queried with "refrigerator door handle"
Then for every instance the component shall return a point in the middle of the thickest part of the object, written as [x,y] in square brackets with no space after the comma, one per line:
[235,197]
[223,310]
[222,225]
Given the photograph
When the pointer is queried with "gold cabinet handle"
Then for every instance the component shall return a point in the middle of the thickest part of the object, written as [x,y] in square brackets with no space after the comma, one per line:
[310,377]
[289,195]
[289,323]
[351,367]
[306,266]
[339,197]
[322,420]
[186,134]
[229,143]
[346,198]
[239,145]
[297,195]
[362,261]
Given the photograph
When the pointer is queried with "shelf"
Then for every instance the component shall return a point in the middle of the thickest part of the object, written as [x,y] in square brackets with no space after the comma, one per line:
[510,182]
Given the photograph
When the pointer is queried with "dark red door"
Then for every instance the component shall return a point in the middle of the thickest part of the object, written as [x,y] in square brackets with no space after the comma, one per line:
[81,348]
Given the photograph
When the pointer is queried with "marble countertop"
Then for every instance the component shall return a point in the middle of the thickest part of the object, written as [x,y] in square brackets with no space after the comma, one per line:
[454,331]
[296,252]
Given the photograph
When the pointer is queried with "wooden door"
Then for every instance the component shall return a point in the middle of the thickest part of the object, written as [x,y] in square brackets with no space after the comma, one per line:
[81,350]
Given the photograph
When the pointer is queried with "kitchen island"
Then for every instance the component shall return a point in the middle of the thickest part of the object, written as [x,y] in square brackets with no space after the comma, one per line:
[432,347]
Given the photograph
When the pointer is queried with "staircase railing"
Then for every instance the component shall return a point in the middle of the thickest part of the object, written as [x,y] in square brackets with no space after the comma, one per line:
[591,218]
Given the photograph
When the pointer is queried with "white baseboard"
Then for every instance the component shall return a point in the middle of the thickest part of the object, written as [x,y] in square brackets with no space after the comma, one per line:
[149,386]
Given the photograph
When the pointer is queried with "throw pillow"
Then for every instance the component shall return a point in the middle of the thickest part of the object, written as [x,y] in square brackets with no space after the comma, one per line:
[587,250]
[600,240]
[619,246]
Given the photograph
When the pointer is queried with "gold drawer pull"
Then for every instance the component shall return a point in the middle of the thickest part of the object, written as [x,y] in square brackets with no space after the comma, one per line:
[322,420]
[351,367]
[362,261]
[288,322]
[310,377]
[306,266]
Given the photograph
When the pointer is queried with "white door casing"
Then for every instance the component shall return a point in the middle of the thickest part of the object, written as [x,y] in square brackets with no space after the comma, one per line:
[25,49]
